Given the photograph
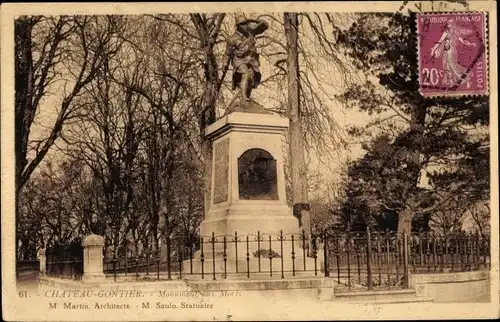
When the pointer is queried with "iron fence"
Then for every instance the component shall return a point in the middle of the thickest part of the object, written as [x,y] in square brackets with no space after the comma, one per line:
[385,259]
[32,265]
[223,257]
[65,260]
[452,253]
[368,259]
[354,259]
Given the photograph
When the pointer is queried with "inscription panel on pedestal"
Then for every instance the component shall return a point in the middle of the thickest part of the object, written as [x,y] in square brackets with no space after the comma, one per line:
[221,171]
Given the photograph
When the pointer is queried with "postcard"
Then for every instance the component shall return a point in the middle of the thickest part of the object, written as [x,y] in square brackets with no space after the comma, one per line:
[248,161]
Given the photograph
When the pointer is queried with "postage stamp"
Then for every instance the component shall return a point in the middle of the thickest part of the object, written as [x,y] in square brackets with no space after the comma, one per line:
[452,56]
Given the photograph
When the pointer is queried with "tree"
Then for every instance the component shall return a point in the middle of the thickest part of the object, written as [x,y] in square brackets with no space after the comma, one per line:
[208,28]
[51,53]
[168,88]
[29,230]
[107,134]
[412,137]
[308,44]
[202,37]
[322,71]
[298,168]
[447,221]
[481,215]
[55,206]
[326,211]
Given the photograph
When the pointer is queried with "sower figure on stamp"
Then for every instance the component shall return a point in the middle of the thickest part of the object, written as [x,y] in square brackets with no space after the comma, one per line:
[447,49]
[242,51]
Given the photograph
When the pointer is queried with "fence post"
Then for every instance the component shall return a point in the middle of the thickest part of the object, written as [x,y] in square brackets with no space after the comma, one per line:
[236,250]
[136,260]
[114,267]
[148,255]
[248,258]
[406,274]
[43,262]
[191,257]
[293,258]
[169,259]
[93,258]
[282,255]
[157,264]
[126,258]
[213,256]
[368,259]
[325,256]
[304,247]
[224,256]
[48,261]
[180,255]
[258,248]
[315,254]
[270,255]
[469,252]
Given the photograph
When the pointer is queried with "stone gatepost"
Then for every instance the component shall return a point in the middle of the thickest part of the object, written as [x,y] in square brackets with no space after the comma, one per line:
[93,258]
[43,262]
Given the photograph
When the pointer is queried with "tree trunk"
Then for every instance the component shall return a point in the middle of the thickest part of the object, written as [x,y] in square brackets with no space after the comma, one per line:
[412,141]
[208,33]
[404,221]
[23,109]
[296,138]
[207,118]
[24,112]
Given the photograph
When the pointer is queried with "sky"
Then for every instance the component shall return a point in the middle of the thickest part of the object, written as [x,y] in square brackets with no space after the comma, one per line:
[329,79]
[263,94]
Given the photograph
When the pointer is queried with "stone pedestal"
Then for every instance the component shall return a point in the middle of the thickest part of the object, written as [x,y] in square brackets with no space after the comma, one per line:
[93,258]
[232,136]
[246,148]
[43,262]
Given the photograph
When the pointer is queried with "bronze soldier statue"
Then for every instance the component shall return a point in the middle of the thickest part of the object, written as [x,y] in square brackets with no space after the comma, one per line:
[243,54]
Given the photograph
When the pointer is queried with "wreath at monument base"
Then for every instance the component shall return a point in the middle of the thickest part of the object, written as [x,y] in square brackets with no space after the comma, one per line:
[266,253]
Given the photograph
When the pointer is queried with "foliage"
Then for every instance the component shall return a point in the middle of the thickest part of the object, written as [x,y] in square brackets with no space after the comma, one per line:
[481,216]
[134,94]
[422,153]
[130,137]
[111,114]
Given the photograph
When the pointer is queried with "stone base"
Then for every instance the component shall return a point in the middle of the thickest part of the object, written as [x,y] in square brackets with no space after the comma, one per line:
[246,106]
[248,219]
[248,225]
[94,277]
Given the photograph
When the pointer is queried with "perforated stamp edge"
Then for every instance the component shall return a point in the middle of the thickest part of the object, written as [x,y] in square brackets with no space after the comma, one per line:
[452,94]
